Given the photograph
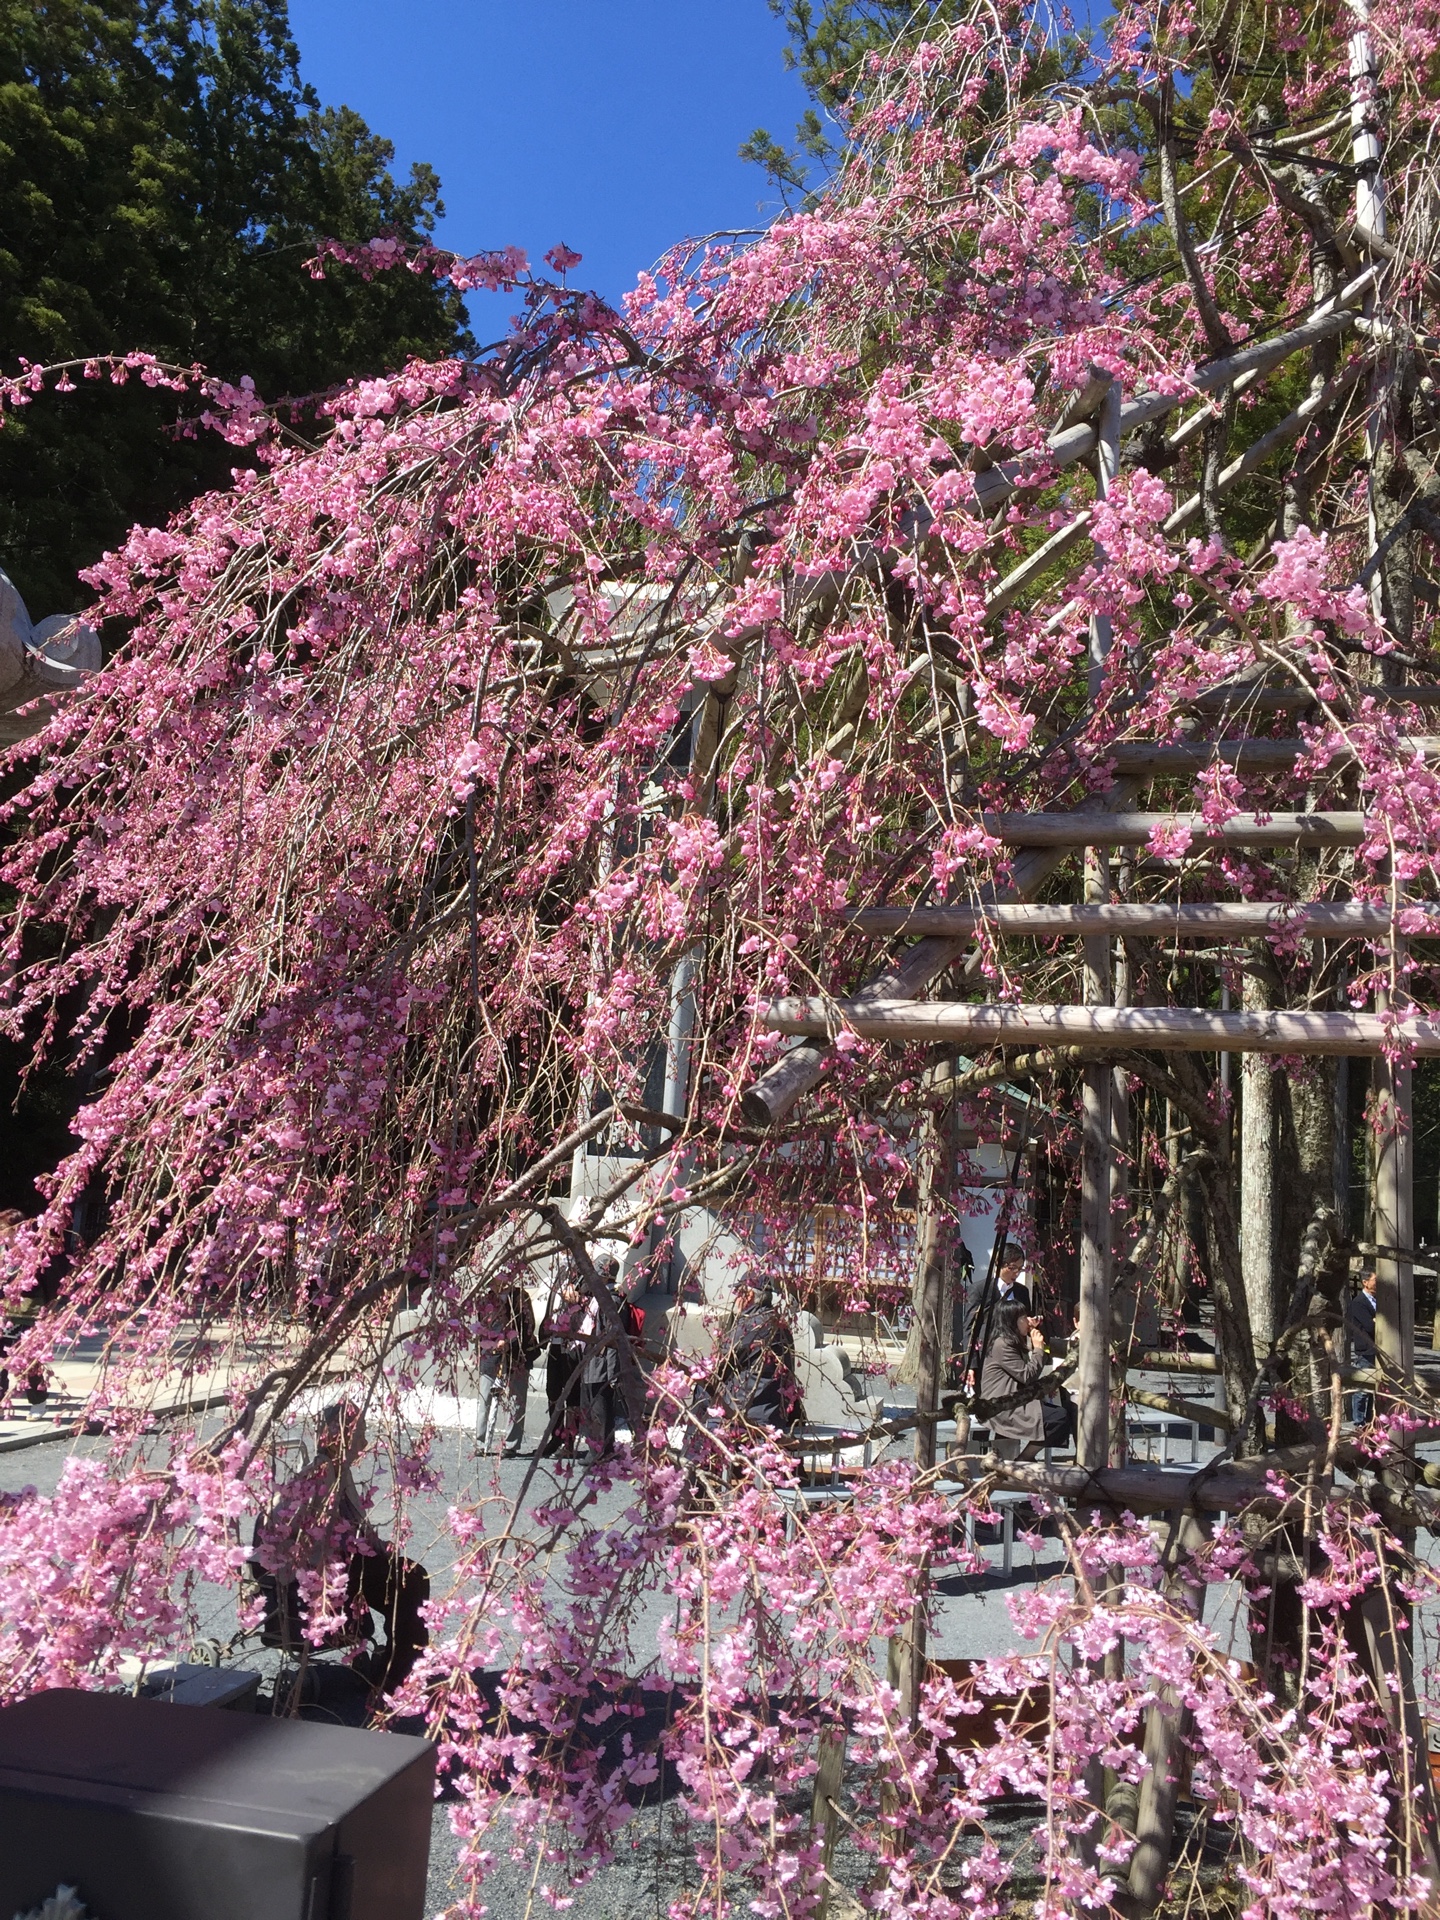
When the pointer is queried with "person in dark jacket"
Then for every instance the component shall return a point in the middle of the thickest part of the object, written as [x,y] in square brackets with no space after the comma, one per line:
[754,1371]
[1014,1358]
[560,1334]
[1008,1288]
[1012,1285]
[504,1371]
[600,1380]
[1360,1320]
[379,1578]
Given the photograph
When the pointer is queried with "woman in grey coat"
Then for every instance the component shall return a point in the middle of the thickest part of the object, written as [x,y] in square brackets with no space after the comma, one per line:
[1014,1359]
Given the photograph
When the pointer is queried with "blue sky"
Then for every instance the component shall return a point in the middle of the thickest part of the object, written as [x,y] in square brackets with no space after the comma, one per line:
[609,124]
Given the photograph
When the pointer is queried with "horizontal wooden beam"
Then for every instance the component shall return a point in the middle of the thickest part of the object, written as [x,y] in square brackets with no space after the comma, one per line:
[1158,1029]
[1297,700]
[1228,1489]
[995,483]
[1090,829]
[1341,919]
[1195,1411]
[1245,756]
[801,1067]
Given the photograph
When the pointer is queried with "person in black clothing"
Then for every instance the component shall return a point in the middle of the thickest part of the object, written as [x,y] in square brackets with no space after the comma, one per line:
[560,1330]
[504,1370]
[600,1380]
[1009,1290]
[1361,1323]
[1012,1285]
[754,1371]
[379,1578]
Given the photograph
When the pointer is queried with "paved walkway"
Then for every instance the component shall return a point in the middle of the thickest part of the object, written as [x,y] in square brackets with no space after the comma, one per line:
[653,1863]
[655,1852]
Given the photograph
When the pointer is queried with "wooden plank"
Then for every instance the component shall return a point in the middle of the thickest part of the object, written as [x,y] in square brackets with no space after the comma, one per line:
[1260,450]
[1157,1029]
[1246,756]
[1297,700]
[799,1068]
[1092,1383]
[1067,445]
[1007,591]
[1340,919]
[1087,829]
[825,1807]
[1142,1489]
[1167,1724]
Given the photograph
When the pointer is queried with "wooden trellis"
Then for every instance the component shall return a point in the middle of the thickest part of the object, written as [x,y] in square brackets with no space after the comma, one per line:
[891,1005]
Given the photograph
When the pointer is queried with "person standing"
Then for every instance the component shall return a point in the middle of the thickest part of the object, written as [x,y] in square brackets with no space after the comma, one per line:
[560,1331]
[504,1371]
[600,1379]
[1014,1359]
[1013,1282]
[1360,1321]
[1009,1289]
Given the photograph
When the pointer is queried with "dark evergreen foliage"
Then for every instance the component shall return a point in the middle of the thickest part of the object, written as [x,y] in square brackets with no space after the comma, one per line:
[164,174]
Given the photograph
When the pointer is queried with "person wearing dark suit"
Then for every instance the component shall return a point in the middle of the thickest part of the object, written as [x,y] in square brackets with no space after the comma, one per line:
[509,1350]
[1360,1321]
[1012,1281]
[564,1354]
[1009,1290]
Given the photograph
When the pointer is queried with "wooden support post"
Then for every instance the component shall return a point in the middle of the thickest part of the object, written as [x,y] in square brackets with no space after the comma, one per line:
[1101,1122]
[1092,1448]
[1257,1182]
[1117,1452]
[1165,1728]
[930,1304]
[1394,1227]
[937,1159]
[825,1807]
[1385,1614]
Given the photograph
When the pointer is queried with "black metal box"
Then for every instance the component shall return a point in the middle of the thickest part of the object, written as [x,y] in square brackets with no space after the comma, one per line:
[194,1813]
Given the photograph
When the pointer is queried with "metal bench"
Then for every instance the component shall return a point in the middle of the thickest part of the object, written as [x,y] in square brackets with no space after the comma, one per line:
[189,1684]
[1005,1505]
[1163,1428]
